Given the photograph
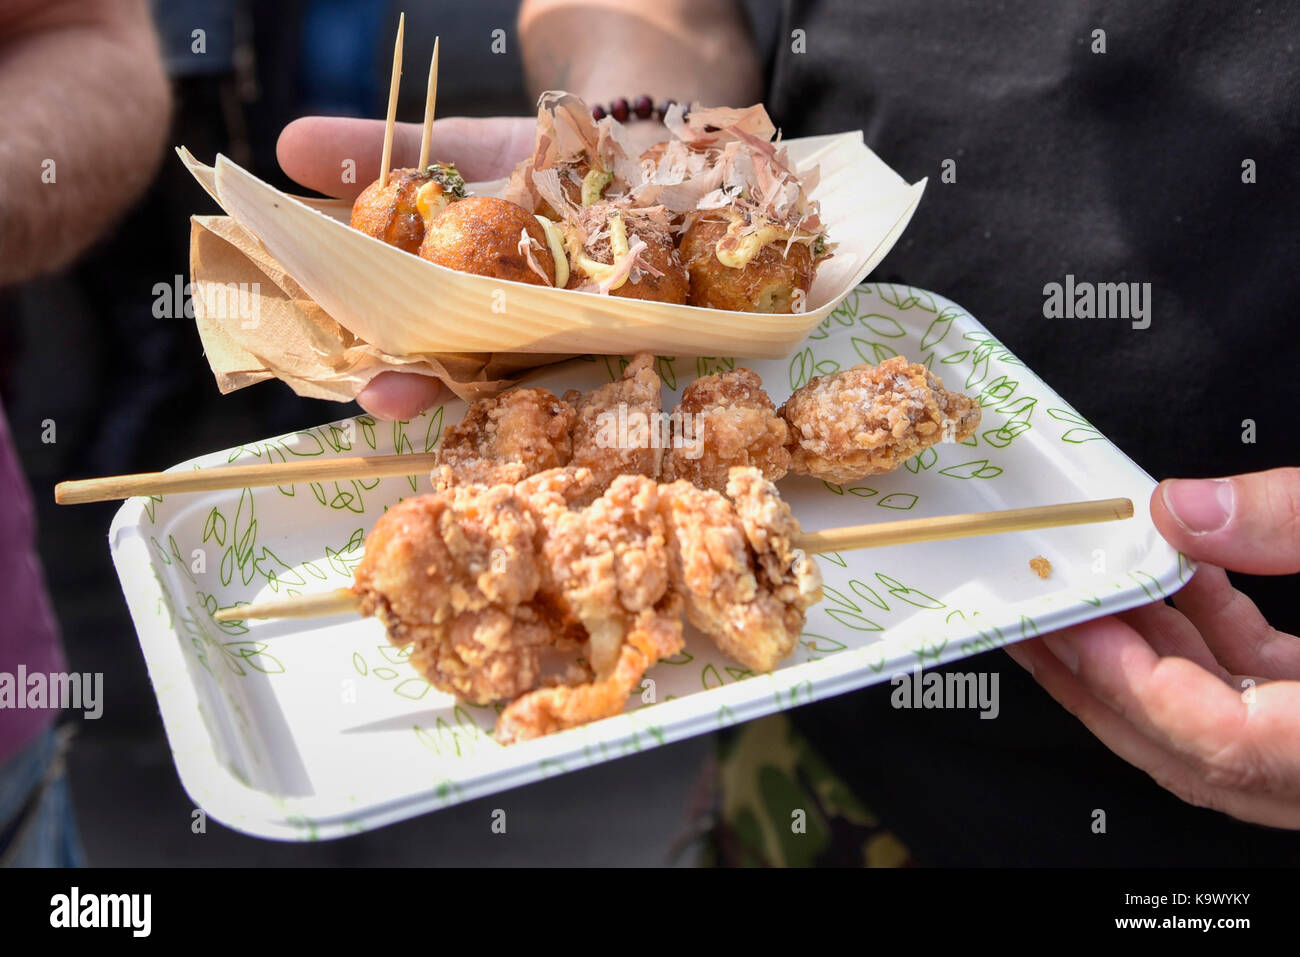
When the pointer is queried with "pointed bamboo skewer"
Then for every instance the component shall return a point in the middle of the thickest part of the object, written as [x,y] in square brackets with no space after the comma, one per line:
[430,100]
[831,540]
[322,605]
[394,87]
[112,487]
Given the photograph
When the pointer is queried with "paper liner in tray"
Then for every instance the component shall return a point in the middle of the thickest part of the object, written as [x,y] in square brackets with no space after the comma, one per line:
[257,323]
[396,307]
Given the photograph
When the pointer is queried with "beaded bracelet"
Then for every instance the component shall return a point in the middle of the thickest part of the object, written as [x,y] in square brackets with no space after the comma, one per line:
[642,108]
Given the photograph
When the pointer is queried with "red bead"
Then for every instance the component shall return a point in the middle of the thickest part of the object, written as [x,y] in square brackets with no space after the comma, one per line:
[598,112]
[643,107]
[664,106]
[619,109]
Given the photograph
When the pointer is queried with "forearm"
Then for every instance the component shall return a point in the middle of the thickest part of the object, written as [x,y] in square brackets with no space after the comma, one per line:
[84,107]
[686,50]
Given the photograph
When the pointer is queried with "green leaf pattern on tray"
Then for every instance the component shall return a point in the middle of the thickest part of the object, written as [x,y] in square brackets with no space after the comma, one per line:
[973,361]
[1082,430]
[880,616]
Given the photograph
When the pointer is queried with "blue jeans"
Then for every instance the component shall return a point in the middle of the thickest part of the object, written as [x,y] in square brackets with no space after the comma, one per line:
[47,835]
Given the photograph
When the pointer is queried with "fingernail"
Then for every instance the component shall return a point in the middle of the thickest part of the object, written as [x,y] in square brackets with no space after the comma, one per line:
[1062,647]
[1201,506]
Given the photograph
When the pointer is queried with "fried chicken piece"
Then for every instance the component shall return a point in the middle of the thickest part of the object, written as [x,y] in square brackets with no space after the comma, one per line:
[655,633]
[870,419]
[550,496]
[560,488]
[506,438]
[726,420]
[607,568]
[733,563]
[612,430]
[456,575]
[485,582]
[618,425]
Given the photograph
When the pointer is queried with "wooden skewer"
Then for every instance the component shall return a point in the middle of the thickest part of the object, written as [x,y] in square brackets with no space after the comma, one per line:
[965,526]
[394,86]
[831,540]
[327,603]
[430,99]
[240,476]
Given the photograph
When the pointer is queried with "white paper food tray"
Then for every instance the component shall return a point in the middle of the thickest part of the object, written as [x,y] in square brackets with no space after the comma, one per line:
[311,729]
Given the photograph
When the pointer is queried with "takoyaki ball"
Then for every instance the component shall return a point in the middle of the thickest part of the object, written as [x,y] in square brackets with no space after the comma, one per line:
[673,286]
[581,186]
[767,282]
[485,236]
[652,155]
[660,254]
[400,211]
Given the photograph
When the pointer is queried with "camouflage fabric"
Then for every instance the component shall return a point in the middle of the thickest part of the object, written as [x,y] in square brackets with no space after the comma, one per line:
[776,803]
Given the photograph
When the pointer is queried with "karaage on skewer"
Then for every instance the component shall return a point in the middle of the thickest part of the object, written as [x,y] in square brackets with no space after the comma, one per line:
[506,438]
[841,427]
[455,575]
[733,563]
[607,566]
[522,432]
[731,422]
[871,419]
[483,580]
[612,435]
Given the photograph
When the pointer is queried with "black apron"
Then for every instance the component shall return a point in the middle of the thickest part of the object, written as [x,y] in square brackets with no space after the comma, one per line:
[1118,166]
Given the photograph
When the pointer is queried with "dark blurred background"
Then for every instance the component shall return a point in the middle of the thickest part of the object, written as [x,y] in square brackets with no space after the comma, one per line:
[129,392]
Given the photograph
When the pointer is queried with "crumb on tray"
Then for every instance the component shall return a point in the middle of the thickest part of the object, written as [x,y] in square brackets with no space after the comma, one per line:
[1041,566]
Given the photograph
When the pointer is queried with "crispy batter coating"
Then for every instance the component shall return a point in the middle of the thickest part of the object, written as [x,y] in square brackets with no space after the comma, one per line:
[456,574]
[653,634]
[617,427]
[733,563]
[567,487]
[389,213]
[767,283]
[506,438]
[726,420]
[607,565]
[870,419]
[483,235]
[608,562]
[486,581]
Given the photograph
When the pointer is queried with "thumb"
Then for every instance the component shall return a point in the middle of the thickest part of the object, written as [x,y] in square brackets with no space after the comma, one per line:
[401,395]
[1244,523]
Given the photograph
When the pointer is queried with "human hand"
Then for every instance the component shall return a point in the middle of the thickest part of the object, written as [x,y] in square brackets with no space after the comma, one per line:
[1205,696]
[313,150]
